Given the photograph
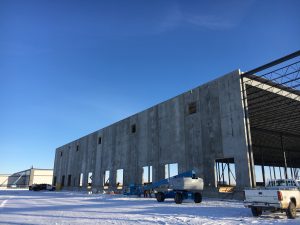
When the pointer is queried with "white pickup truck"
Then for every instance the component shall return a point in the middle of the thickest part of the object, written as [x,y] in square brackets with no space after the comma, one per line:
[279,195]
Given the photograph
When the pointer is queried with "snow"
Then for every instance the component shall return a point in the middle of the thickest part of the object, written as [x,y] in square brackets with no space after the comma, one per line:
[27,207]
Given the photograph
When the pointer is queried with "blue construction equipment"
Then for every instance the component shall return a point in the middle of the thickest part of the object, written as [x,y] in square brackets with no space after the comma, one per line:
[134,190]
[180,187]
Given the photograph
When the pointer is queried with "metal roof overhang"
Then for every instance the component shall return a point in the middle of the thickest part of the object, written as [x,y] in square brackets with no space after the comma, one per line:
[273,107]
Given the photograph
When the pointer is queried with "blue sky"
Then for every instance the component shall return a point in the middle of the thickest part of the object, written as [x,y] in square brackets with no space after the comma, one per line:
[68,68]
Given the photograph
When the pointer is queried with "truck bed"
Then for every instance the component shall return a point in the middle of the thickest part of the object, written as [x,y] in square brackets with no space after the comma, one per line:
[268,197]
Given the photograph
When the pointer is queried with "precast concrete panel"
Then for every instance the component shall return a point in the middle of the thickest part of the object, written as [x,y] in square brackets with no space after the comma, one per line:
[167,133]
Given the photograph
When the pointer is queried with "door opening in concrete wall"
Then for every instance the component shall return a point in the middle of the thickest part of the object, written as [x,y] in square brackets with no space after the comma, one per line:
[147,175]
[90,179]
[69,180]
[171,170]
[63,180]
[106,179]
[119,179]
[225,174]
[80,180]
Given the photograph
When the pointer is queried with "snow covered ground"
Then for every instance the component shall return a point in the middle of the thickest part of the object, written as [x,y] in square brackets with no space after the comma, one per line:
[26,207]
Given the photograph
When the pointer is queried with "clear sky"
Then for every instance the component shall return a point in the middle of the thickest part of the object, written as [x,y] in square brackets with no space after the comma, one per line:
[68,68]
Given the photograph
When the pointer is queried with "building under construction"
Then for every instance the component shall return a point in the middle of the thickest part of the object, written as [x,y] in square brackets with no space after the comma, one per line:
[236,131]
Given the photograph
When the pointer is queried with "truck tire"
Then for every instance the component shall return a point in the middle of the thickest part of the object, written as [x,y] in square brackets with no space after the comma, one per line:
[160,197]
[256,211]
[197,197]
[291,211]
[178,198]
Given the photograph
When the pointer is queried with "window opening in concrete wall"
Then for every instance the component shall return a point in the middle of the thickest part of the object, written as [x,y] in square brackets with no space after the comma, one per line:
[61,154]
[54,181]
[63,180]
[225,174]
[90,179]
[106,179]
[69,180]
[80,180]
[133,128]
[192,108]
[77,148]
[120,177]
[171,170]
[99,140]
[147,175]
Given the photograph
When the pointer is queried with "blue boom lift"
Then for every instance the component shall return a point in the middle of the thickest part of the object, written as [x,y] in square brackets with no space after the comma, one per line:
[179,187]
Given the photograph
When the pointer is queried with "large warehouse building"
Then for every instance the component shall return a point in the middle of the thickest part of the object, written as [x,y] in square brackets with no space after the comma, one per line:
[26,178]
[236,131]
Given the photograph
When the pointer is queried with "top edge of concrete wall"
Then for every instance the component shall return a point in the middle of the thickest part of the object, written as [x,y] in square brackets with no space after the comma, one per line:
[236,71]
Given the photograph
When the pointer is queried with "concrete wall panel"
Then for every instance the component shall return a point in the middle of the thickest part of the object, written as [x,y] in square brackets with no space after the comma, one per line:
[167,133]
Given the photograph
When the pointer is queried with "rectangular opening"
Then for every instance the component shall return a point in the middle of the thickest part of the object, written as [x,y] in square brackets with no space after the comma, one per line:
[192,108]
[61,154]
[225,174]
[106,179]
[69,180]
[259,170]
[80,180]
[90,179]
[171,170]
[265,174]
[99,140]
[273,124]
[120,177]
[147,175]
[63,180]
[133,128]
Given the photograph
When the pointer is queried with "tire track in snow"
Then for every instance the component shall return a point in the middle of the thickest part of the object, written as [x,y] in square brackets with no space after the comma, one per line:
[3,203]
